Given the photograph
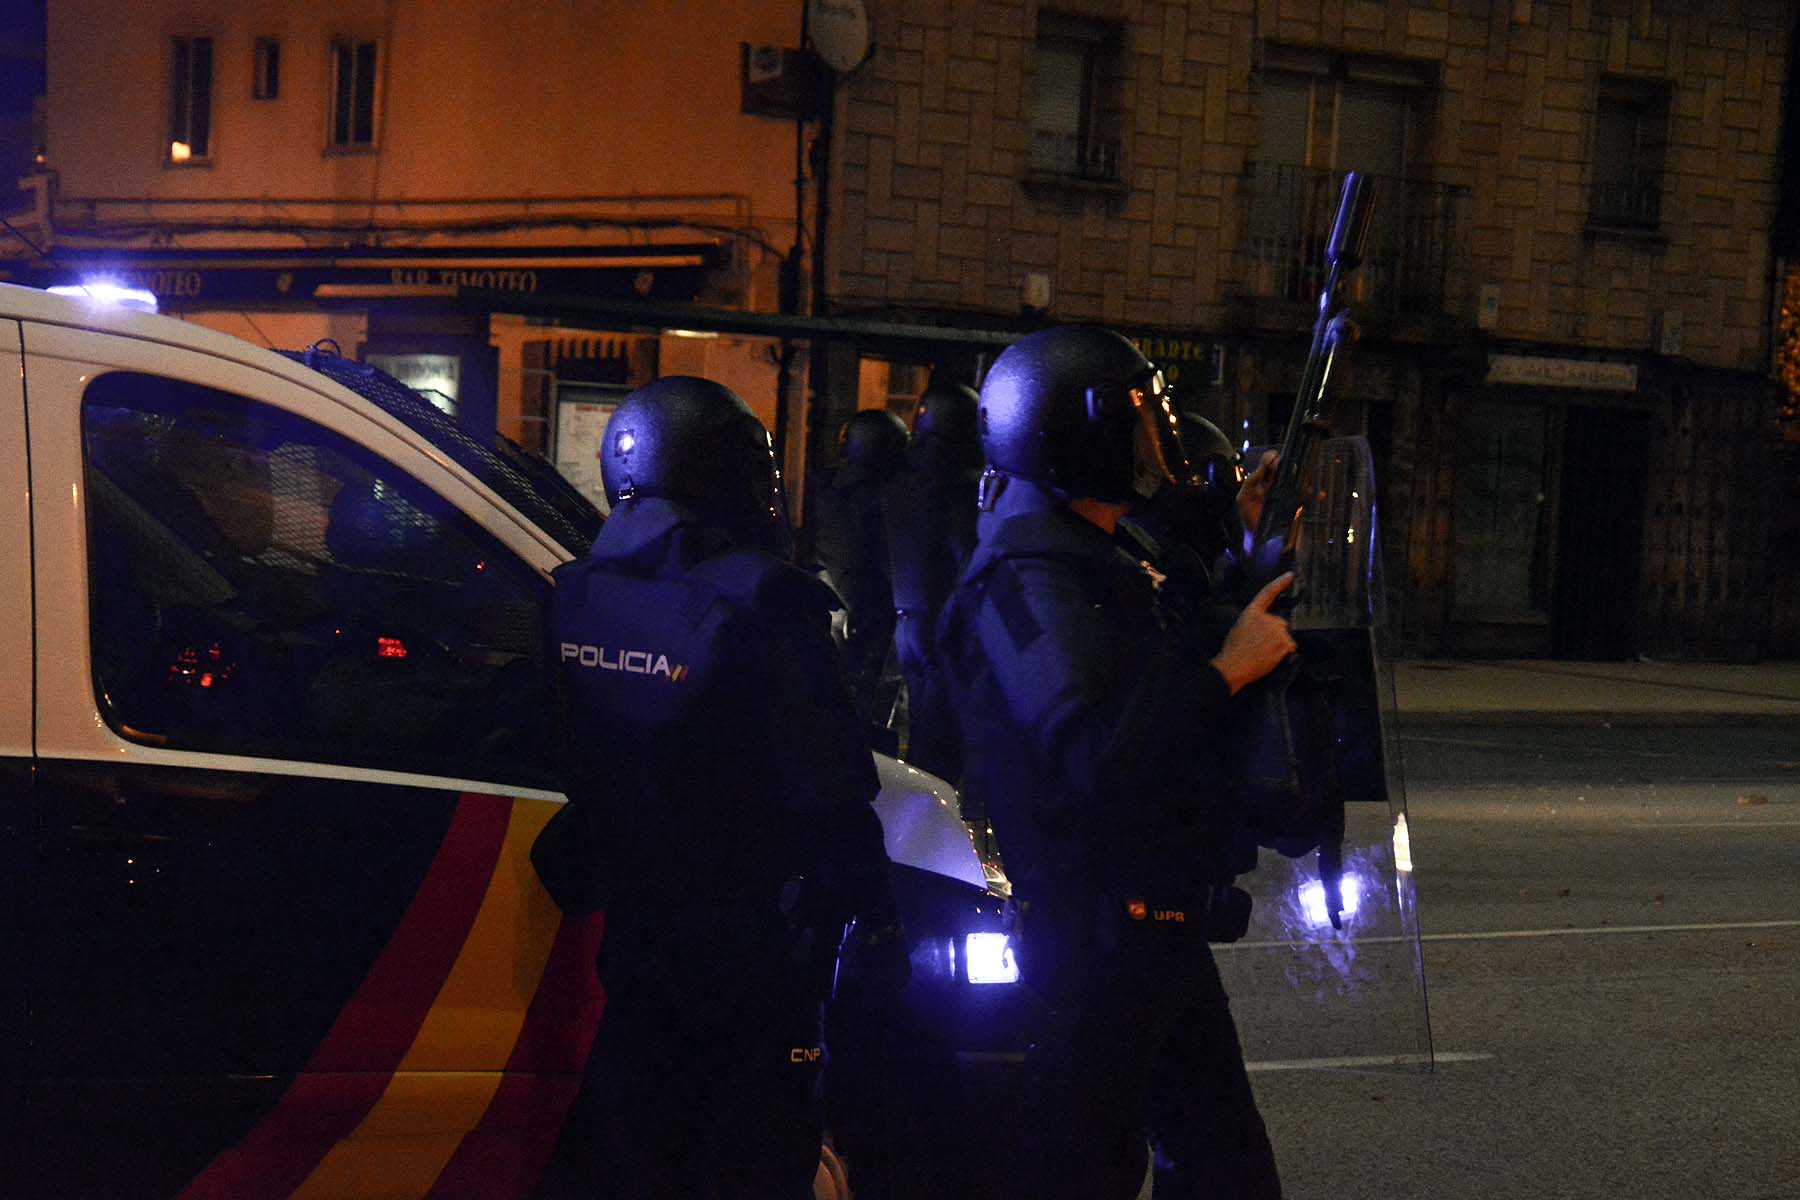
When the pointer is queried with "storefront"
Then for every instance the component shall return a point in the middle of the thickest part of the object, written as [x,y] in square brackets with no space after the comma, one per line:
[1551,463]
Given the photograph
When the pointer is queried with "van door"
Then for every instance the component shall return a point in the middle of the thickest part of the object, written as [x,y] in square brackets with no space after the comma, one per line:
[294,754]
[15,729]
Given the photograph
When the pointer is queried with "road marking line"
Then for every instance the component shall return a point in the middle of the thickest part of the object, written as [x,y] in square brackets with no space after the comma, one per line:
[1372,1060]
[1497,934]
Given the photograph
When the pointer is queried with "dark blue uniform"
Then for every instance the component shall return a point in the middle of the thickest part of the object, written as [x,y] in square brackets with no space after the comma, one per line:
[851,544]
[1088,714]
[929,508]
[712,749]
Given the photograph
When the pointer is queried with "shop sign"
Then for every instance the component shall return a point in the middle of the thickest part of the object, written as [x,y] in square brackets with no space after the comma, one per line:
[493,281]
[254,278]
[1528,370]
[1195,358]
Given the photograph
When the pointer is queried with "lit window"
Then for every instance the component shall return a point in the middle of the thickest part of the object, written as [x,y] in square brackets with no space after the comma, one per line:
[265,83]
[190,98]
[353,93]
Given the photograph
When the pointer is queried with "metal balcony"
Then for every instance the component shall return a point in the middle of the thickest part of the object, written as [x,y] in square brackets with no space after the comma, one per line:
[1632,205]
[1415,265]
[1071,156]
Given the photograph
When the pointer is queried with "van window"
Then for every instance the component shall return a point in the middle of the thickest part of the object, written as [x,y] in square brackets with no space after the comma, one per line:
[263,586]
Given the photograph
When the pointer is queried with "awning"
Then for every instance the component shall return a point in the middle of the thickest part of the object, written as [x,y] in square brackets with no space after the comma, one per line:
[603,312]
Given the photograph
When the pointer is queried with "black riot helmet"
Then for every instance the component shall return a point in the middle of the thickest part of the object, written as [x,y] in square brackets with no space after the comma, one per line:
[693,441]
[871,441]
[947,411]
[1078,409]
[1215,460]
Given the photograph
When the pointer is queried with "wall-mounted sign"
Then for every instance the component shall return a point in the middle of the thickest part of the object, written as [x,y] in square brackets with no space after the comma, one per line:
[582,411]
[1530,370]
[1188,364]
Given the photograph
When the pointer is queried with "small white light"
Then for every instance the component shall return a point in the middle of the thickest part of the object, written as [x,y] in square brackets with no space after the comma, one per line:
[1312,900]
[624,443]
[1402,845]
[180,152]
[990,958]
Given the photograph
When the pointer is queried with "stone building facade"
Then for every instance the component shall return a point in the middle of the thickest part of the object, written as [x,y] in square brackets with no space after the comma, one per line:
[1566,306]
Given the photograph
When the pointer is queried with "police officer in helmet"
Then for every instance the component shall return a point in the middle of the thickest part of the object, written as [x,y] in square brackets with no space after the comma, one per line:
[929,508]
[1083,698]
[1198,520]
[723,790]
[851,543]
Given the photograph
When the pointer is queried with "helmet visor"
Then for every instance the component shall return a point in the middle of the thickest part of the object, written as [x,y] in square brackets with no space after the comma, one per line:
[767,528]
[1159,455]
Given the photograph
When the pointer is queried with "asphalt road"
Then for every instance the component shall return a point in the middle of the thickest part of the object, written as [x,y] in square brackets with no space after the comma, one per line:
[1612,923]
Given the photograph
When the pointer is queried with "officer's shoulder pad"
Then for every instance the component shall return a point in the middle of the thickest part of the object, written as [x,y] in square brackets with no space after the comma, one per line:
[765,582]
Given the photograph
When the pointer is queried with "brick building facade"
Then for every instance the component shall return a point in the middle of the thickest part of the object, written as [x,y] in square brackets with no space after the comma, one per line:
[1566,307]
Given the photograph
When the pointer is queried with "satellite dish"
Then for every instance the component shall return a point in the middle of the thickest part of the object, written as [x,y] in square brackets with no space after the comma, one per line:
[839,31]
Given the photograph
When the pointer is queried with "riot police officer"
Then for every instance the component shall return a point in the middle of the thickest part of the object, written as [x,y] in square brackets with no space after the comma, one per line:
[1195,527]
[929,508]
[724,786]
[1087,711]
[851,543]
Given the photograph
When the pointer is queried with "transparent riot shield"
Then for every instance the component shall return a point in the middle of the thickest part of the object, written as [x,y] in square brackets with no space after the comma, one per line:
[1303,992]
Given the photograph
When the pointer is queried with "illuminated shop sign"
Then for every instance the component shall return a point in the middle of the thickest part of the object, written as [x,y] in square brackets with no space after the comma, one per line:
[1187,363]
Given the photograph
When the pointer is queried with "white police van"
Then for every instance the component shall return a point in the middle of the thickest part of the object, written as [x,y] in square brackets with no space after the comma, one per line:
[272,730]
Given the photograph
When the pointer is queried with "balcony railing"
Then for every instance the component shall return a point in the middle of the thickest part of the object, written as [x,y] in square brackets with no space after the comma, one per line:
[1414,264]
[1635,206]
[1070,156]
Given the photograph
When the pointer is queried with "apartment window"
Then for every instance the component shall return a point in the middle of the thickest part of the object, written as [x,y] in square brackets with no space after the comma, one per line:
[1631,129]
[353,94]
[265,81]
[190,98]
[1327,111]
[1071,66]
[1320,114]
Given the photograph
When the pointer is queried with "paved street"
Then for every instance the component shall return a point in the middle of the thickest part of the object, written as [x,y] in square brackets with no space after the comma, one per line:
[1612,914]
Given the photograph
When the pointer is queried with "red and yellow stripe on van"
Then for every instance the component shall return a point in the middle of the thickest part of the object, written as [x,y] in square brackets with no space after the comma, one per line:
[451,1069]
